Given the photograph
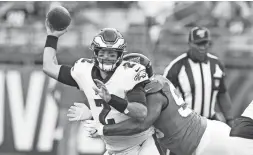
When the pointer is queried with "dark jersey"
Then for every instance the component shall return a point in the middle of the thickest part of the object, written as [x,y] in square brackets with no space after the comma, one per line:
[180,127]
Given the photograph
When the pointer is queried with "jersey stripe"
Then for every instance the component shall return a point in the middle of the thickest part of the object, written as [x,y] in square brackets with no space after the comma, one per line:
[207,88]
[215,92]
[185,85]
[172,63]
[198,86]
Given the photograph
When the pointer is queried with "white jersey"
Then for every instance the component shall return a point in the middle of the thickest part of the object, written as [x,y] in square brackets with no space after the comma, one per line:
[125,77]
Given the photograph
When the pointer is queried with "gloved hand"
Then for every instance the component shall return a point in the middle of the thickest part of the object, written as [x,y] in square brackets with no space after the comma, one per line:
[79,112]
[102,91]
[93,127]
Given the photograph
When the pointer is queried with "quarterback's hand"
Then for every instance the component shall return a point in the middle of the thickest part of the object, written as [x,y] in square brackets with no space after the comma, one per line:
[79,112]
[102,91]
[93,127]
[52,32]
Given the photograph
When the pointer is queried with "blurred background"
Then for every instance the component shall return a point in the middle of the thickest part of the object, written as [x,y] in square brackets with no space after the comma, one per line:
[33,107]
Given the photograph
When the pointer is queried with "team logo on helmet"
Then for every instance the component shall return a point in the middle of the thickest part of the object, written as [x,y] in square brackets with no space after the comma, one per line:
[111,39]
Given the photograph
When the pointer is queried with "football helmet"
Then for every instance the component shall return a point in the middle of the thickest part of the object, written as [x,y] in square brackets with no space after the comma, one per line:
[109,39]
[141,59]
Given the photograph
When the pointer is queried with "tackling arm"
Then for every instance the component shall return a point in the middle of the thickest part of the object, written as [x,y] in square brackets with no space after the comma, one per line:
[136,107]
[137,111]
[132,126]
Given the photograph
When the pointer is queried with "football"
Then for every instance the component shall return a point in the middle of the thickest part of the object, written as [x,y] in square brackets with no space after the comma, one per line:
[59,18]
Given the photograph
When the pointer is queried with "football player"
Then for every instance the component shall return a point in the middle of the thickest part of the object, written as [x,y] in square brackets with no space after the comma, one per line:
[123,79]
[178,128]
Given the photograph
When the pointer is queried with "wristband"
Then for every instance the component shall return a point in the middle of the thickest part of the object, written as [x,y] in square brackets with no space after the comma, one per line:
[118,103]
[51,42]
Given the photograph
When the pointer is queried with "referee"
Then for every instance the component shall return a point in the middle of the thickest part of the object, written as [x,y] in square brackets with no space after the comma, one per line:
[199,76]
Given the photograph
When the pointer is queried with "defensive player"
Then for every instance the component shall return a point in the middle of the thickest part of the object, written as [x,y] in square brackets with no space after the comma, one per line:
[179,129]
[123,79]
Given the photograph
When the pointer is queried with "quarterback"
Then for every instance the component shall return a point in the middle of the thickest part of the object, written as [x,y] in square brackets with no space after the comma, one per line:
[178,128]
[123,79]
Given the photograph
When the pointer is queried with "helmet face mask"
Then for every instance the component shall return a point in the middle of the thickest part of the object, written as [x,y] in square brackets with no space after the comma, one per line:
[106,45]
[108,59]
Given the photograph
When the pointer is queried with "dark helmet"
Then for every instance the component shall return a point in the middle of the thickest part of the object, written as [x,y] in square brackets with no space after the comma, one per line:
[108,38]
[141,59]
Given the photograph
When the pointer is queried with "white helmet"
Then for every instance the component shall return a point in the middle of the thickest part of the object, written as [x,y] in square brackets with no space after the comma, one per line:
[108,38]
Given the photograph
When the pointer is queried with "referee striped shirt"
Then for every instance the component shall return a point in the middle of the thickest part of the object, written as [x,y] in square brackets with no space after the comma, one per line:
[198,82]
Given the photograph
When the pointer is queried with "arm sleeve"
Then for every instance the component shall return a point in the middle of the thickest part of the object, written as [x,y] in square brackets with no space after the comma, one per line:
[137,94]
[65,76]
[132,126]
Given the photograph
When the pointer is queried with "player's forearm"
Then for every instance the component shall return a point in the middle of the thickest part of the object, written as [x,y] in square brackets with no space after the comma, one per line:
[49,57]
[132,109]
[50,63]
[137,111]
[125,128]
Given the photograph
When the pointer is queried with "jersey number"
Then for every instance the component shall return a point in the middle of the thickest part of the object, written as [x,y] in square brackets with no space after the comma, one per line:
[105,111]
[183,110]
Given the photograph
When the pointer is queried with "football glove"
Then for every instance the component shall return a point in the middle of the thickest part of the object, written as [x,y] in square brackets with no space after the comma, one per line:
[79,112]
[93,127]
[102,91]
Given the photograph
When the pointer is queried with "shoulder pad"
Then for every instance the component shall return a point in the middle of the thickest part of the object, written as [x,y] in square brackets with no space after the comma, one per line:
[153,86]
[133,74]
[158,82]
[80,63]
